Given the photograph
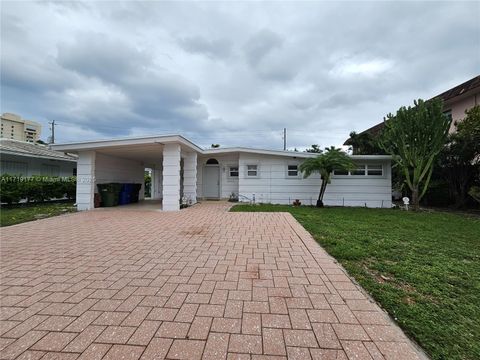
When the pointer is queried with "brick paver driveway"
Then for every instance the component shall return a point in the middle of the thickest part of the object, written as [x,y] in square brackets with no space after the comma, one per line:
[200,283]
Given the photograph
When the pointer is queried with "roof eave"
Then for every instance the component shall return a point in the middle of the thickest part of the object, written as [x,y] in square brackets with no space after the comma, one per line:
[98,144]
[9,152]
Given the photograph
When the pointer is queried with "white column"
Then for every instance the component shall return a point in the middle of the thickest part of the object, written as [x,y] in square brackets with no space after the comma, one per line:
[85,180]
[171,177]
[190,177]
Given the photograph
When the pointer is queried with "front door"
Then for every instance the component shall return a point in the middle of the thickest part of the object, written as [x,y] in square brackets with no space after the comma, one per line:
[211,181]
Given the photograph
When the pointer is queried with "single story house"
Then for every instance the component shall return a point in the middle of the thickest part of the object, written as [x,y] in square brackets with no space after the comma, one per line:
[26,159]
[182,171]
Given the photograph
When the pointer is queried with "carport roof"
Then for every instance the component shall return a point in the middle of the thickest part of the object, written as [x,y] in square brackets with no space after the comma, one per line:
[153,139]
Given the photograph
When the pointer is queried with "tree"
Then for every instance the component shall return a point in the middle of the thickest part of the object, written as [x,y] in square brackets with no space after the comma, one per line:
[314,149]
[364,144]
[324,164]
[414,137]
[459,161]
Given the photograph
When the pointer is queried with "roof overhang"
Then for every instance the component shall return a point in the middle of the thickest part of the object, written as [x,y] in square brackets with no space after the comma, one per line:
[286,153]
[15,153]
[99,144]
[165,139]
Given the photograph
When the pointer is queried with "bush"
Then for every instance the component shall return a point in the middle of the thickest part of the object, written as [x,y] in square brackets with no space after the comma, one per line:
[36,188]
[10,190]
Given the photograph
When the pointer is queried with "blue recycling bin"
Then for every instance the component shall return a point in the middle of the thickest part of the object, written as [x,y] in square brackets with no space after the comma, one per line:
[125,194]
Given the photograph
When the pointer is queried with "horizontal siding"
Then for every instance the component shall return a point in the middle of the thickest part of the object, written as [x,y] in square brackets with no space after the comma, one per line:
[274,186]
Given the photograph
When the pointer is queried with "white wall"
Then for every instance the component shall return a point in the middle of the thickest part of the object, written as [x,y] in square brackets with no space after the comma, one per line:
[114,169]
[28,166]
[274,186]
[227,184]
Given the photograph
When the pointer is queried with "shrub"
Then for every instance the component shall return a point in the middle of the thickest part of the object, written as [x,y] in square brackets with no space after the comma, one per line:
[36,188]
[10,190]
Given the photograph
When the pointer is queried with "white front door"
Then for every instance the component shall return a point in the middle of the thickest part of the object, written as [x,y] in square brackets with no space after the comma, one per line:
[211,181]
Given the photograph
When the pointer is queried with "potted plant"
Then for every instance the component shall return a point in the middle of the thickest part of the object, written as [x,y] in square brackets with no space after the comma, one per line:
[233,197]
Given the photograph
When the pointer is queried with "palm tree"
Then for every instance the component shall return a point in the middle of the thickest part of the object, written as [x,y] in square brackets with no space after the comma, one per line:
[324,164]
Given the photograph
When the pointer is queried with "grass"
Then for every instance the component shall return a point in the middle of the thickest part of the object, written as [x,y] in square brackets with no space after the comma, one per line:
[423,268]
[11,215]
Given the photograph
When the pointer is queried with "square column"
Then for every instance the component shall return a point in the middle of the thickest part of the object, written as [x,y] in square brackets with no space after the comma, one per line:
[171,177]
[190,177]
[85,180]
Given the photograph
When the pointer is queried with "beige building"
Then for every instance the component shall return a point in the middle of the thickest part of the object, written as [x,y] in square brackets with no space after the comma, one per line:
[16,128]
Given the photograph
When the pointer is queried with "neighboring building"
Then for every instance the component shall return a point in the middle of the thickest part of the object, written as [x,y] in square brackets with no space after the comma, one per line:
[182,170]
[455,102]
[15,128]
[26,159]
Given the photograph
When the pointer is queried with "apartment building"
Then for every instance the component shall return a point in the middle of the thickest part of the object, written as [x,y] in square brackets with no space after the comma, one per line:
[15,128]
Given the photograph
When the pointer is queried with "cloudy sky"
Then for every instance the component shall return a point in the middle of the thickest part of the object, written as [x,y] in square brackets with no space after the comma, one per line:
[230,73]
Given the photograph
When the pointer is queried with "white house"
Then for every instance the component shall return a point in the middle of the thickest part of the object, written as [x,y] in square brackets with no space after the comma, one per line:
[183,170]
[22,158]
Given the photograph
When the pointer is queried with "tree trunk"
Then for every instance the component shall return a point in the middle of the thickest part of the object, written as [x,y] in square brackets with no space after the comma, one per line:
[320,195]
[415,199]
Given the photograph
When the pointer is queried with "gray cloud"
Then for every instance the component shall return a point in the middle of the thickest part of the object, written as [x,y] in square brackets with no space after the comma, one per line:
[260,44]
[213,48]
[233,74]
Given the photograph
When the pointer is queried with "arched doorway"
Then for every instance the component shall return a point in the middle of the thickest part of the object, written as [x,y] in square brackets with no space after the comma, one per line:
[211,179]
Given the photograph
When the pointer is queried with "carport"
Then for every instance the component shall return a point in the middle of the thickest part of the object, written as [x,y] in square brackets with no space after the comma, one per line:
[172,158]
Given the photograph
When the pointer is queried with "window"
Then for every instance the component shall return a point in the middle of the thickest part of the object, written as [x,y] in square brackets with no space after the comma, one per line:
[375,170]
[74,172]
[360,170]
[340,172]
[292,170]
[233,171]
[448,114]
[252,170]
[212,162]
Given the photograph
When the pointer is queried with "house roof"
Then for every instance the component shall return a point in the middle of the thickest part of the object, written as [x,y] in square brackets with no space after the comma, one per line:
[459,90]
[21,148]
[164,139]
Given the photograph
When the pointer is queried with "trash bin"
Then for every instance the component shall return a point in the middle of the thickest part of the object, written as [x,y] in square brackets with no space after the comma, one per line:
[125,194]
[135,192]
[109,193]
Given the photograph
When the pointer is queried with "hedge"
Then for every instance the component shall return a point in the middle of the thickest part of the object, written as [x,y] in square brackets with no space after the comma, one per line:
[36,188]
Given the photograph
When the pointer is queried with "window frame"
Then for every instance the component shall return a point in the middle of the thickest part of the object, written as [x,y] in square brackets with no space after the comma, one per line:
[359,168]
[230,167]
[247,170]
[375,175]
[366,175]
[297,170]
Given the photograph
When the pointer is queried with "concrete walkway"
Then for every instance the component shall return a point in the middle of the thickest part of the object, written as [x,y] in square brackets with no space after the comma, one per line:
[197,284]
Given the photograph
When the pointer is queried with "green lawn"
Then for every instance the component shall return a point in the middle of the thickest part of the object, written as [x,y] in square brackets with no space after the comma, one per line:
[423,268]
[21,213]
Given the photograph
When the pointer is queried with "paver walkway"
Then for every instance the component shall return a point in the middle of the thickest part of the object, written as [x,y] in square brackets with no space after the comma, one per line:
[200,283]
